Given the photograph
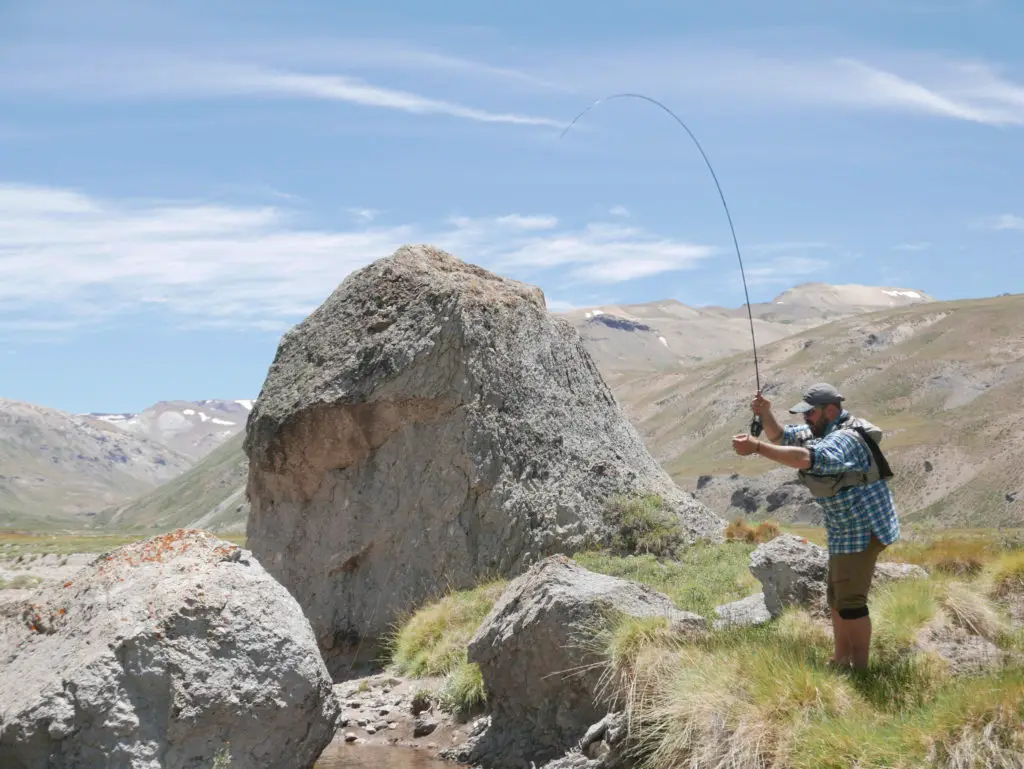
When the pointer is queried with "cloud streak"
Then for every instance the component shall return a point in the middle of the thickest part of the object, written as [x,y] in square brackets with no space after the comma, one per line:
[70,258]
[921,84]
[1006,222]
[125,74]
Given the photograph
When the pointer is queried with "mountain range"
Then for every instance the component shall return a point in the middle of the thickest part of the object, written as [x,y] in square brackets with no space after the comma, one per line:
[938,377]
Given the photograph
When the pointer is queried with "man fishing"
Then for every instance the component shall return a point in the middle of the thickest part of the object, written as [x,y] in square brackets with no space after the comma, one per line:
[838,459]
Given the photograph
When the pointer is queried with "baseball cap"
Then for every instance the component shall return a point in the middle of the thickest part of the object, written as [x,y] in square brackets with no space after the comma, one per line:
[821,394]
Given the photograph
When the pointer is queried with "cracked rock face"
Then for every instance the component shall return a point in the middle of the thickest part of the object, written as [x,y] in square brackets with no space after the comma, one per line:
[165,652]
[428,425]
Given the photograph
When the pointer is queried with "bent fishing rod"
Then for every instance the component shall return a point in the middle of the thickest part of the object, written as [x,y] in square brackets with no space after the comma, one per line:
[755,425]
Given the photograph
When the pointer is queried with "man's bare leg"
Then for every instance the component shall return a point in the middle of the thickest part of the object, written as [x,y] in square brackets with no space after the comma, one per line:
[842,656]
[858,640]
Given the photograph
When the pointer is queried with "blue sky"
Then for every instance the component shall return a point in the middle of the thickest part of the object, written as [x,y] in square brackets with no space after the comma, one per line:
[181,182]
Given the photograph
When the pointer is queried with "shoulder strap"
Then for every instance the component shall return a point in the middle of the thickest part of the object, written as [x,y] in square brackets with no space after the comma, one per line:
[883,465]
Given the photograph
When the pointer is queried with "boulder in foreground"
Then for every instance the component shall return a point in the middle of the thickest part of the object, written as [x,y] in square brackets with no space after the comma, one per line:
[166,652]
[540,671]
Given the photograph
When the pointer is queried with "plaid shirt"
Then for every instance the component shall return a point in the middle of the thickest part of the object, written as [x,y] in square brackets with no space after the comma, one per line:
[855,513]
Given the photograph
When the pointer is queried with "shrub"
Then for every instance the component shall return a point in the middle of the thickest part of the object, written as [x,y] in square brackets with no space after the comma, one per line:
[641,526]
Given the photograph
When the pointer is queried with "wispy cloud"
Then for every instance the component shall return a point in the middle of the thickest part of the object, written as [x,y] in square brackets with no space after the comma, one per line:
[364,214]
[280,72]
[923,84]
[784,270]
[919,246]
[1004,222]
[68,258]
[619,211]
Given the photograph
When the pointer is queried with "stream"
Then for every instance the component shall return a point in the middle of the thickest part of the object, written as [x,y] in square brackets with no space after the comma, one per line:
[339,755]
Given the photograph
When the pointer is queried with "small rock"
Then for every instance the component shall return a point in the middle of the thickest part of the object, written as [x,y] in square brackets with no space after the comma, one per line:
[743,613]
[354,704]
[361,723]
[370,730]
[383,711]
[350,737]
[423,726]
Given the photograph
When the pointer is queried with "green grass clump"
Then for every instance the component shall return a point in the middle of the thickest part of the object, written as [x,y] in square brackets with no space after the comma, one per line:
[704,576]
[463,692]
[433,641]
[642,526]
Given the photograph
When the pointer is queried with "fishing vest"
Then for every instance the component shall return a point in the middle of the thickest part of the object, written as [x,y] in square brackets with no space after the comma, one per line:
[829,485]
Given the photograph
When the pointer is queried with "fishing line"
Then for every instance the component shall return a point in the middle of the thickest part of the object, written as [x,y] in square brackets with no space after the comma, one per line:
[755,425]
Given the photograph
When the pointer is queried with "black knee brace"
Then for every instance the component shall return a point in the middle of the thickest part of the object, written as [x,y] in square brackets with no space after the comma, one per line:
[854,613]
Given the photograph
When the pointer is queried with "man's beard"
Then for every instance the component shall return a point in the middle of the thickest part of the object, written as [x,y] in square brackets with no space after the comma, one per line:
[818,426]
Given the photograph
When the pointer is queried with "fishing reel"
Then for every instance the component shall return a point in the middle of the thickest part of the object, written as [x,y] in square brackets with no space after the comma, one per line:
[755,426]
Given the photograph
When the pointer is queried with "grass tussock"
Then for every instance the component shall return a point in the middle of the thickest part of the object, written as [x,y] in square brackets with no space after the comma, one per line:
[433,641]
[463,692]
[642,526]
[1006,575]
[742,531]
[763,698]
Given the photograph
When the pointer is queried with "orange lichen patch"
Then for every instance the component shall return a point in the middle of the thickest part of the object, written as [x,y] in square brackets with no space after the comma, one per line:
[69,583]
[165,548]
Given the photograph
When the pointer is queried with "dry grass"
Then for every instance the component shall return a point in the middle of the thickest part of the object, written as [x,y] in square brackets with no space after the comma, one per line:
[741,531]
[17,543]
[955,555]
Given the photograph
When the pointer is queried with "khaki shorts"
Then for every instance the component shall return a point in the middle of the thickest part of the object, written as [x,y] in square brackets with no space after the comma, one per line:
[849,577]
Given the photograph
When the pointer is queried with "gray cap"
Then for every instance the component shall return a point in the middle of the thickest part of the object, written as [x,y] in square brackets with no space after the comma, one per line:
[821,394]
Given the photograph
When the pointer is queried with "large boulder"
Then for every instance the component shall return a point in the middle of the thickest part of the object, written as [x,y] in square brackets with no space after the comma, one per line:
[167,652]
[540,665]
[429,424]
[793,572]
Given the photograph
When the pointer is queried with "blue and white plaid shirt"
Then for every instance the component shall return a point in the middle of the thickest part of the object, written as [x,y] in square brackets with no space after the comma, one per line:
[855,513]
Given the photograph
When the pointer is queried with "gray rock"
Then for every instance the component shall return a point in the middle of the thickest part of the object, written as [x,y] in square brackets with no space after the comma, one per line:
[891,571]
[538,666]
[431,423]
[574,760]
[792,572]
[163,653]
[423,725]
[743,613]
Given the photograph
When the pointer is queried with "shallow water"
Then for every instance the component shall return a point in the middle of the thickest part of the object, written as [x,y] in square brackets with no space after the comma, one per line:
[340,755]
